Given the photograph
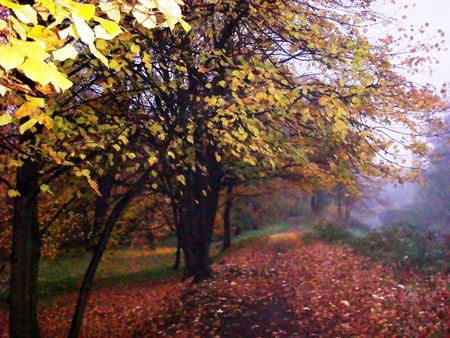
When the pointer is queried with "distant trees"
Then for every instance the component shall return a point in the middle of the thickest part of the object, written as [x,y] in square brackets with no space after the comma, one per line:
[430,207]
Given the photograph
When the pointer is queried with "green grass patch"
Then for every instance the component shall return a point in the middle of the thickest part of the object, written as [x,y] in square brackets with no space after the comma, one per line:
[122,266]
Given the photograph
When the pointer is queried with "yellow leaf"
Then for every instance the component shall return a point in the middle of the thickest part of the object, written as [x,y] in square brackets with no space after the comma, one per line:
[67,52]
[5,119]
[49,4]
[322,101]
[69,31]
[111,27]
[98,55]
[36,70]
[218,157]
[135,48]
[171,10]
[111,9]
[94,186]
[85,32]
[13,193]
[27,109]
[185,25]
[10,4]
[3,90]
[19,27]
[41,33]
[3,25]
[10,57]
[182,179]
[85,11]
[124,139]
[101,34]
[60,81]
[44,73]
[31,49]
[146,20]
[26,14]
[152,160]
[36,101]
[27,125]
[340,112]
[47,121]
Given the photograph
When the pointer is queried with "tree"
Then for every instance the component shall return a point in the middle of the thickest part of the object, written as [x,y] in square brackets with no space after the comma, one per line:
[264,89]
[31,31]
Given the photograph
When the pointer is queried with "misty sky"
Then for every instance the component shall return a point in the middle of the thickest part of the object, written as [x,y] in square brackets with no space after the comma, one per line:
[436,14]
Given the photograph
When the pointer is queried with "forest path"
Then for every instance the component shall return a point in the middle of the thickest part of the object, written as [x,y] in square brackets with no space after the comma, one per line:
[274,286]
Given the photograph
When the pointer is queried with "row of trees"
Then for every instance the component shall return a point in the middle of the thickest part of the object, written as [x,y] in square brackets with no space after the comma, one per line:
[239,91]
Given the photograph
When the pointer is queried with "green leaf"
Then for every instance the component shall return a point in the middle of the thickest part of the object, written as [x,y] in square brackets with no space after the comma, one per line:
[46,188]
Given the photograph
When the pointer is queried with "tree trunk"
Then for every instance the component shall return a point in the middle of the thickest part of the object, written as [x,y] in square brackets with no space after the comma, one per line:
[105,184]
[25,255]
[85,288]
[176,265]
[227,218]
[198,208]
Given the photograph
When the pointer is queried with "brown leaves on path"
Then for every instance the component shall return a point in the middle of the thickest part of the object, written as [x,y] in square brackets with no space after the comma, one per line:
[275,288]
[287,289]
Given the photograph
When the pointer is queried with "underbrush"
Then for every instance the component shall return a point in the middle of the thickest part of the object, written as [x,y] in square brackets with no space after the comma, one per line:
[402,246]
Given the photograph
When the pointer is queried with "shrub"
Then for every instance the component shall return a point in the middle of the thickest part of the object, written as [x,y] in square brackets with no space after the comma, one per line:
[402,246]
[330,233]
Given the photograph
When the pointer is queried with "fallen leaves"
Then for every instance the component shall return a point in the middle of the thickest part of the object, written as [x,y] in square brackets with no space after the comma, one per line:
[269,290]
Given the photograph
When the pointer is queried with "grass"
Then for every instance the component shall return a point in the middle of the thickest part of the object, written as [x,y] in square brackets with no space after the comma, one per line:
[254,237]
[131,265]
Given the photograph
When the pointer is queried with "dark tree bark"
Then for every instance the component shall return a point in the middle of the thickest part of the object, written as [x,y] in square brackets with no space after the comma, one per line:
[25,255]
[198,208]
[227,218]
[106,185]
[176,265]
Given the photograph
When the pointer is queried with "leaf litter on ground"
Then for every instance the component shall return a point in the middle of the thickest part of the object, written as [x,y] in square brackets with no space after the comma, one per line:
[277,288]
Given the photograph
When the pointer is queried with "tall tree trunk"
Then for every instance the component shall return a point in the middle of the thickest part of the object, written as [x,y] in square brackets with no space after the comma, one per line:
[98,253]
[199,207]
[25,253]
[227,218]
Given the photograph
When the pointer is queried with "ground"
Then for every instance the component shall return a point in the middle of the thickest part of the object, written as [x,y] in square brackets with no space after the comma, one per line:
[273,287]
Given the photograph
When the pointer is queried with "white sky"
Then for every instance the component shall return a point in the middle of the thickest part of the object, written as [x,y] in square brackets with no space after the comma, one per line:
[437,14]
